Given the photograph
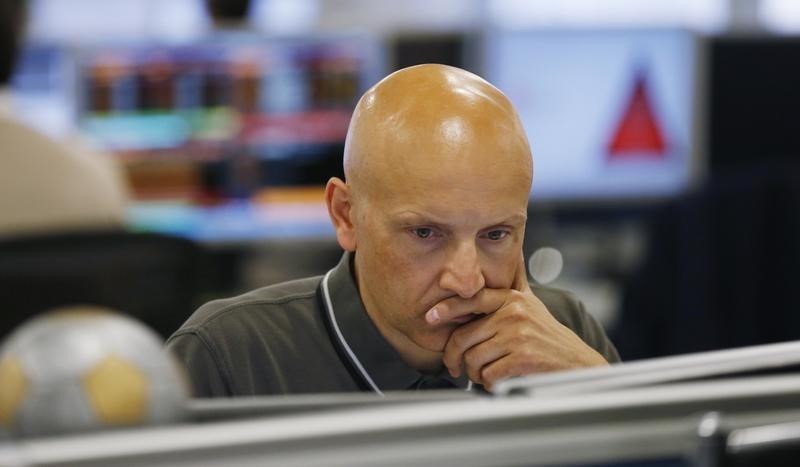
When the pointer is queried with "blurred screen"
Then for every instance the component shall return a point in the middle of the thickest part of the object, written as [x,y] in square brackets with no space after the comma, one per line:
[610,114]
[227,138]
[90,21]
[224,135]
[43,89]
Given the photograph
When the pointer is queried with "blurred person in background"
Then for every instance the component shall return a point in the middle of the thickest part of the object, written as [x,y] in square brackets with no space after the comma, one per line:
[432,290]
[48,186]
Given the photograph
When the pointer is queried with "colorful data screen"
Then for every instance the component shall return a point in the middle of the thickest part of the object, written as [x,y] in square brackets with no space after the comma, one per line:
[610,114]
[43,91]
[229,115]
[229,138]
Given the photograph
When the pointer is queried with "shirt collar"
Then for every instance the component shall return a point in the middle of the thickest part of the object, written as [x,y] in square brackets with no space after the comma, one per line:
[379,359]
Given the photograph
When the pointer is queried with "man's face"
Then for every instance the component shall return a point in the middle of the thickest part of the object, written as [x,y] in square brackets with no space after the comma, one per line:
[429,233]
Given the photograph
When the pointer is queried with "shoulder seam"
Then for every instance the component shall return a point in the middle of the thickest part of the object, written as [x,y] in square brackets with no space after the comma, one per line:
[234,306]
[226,378]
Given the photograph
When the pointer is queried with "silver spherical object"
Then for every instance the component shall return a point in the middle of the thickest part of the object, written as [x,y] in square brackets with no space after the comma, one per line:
[86,368]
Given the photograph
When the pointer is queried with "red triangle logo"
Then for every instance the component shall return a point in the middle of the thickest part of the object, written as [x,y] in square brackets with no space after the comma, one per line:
[638,134]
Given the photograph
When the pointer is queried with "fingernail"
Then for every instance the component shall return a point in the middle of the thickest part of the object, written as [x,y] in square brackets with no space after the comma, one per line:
[432,316]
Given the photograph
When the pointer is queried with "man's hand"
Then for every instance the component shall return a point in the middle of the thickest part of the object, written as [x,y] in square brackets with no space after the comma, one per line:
[515,335]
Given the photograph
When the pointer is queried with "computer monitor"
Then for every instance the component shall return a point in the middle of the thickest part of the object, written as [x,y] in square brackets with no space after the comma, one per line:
[769,445]
[231,137]
[216,409]
[642,427]
[752,99]
[718,364]
[43,93]
[611,114]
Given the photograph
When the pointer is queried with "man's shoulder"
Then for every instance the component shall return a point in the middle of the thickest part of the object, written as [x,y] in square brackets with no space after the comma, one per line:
[264,303]
[563,305]
[570,311]
[552,295]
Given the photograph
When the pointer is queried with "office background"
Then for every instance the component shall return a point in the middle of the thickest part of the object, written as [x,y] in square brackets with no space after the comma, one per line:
[666,190]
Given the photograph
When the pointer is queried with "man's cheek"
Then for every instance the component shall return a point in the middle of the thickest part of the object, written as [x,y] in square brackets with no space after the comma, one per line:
[501,277]
[434,338]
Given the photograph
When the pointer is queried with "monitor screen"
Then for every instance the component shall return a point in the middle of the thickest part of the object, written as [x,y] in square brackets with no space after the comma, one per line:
[43,88]
[89,21]
[222,138]
[610,114]
[740,362]
[227,138]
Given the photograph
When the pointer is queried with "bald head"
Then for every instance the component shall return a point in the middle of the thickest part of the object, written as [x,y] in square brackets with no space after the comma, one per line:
[438,175]
[425,119]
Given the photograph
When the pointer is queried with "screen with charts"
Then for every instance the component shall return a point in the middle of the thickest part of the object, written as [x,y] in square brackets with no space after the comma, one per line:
[230,138]
[610,114]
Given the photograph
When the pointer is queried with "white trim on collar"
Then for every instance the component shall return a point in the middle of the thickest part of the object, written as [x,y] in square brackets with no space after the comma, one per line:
[340,337]
[343,342]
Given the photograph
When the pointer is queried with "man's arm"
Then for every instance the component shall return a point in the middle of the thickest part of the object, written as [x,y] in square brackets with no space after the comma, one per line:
[594,335]
[515,335]
[202,368]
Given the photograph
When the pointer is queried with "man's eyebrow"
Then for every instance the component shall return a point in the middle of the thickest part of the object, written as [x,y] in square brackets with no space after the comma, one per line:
[417,217]
[513,220]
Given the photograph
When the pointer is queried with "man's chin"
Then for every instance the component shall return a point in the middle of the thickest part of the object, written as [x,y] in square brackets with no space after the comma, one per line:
[435,340]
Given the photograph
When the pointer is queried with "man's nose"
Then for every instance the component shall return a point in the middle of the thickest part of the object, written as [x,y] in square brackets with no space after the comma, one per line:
[462,272]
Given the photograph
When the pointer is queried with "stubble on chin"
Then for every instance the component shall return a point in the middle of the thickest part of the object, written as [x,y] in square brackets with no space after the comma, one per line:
[434,338]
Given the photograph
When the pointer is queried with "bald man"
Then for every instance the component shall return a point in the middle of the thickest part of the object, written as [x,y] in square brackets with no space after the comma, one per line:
[432,290]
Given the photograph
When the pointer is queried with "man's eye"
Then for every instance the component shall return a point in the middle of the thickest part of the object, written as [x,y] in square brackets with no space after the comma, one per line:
[496,234]
[423,232]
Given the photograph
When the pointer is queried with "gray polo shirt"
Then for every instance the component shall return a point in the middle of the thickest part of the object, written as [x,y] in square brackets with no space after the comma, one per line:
[313,336]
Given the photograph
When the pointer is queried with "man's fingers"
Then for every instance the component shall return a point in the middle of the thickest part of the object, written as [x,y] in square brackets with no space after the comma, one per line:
[460,310]
[463,339]
[499,369]
[479,357]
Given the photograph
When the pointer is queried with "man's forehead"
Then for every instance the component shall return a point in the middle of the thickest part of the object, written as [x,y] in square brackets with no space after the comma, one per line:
[429,180]
[451,195]
[475,168]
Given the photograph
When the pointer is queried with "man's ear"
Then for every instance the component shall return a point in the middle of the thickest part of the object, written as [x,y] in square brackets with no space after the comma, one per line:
[338,199]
